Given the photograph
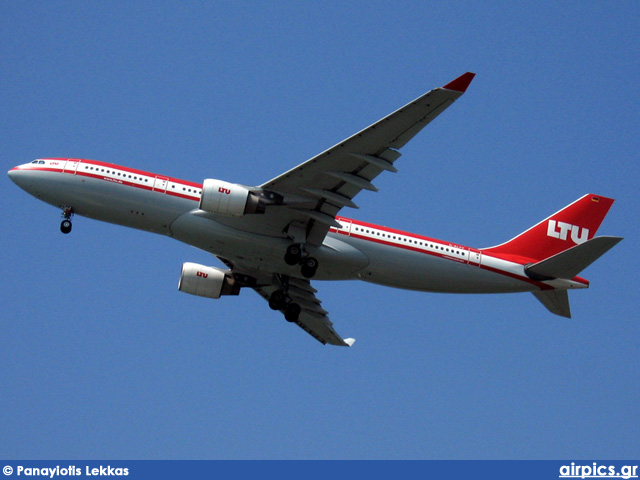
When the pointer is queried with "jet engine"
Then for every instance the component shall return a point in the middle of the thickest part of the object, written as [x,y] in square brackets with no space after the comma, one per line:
[230,199]
[208,282]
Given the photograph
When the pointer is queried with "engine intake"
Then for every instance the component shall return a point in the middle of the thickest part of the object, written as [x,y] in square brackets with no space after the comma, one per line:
[231,199]
[208,282]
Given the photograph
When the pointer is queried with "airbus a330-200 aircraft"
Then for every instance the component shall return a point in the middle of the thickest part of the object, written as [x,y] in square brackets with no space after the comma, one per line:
[275,237]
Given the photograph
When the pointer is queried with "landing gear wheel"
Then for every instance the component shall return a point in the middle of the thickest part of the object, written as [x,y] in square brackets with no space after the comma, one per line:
[293,255]
[65,226]
[292,312]
[277,300]
[67,213]
[309,267]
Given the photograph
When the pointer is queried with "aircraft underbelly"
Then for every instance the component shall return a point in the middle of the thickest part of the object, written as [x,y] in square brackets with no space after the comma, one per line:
[254,252]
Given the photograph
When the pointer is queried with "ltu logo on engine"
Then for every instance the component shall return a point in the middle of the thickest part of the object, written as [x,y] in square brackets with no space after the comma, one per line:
[561,230]
[202,274]
[226,191]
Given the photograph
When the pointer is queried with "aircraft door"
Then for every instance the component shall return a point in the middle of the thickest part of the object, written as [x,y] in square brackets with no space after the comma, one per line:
[345,228]
[475,257]
[71,166]
[160,184]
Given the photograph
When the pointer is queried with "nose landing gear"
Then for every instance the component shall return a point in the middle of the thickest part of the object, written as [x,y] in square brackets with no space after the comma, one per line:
[67,213]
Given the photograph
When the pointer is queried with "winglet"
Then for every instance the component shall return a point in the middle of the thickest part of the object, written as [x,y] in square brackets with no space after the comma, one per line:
[461,83]
[349,341]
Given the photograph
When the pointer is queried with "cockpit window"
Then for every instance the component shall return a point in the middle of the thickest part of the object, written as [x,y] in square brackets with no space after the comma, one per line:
[35,161]
[41,162]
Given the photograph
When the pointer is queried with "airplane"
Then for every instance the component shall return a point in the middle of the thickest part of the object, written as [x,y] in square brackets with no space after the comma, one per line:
[274,238]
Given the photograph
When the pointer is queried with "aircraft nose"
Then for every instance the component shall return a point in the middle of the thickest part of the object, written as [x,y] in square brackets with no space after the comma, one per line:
[17,176]
[13,173]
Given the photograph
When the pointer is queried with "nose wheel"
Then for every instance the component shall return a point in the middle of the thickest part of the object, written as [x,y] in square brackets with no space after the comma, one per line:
[67,213]
[65,226]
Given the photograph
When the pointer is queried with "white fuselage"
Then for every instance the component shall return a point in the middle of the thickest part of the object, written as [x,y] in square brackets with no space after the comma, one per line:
[357,250]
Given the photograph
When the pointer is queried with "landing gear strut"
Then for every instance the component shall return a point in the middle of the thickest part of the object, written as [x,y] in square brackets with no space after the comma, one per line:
[295,255]
[65,226]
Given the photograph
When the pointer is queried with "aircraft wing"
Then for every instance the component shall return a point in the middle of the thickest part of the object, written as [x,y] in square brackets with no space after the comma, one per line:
[329,181]
[313,318]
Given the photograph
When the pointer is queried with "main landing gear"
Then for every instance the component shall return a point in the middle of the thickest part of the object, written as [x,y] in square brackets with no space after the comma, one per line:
[296,256]
[279,300]
[67,213]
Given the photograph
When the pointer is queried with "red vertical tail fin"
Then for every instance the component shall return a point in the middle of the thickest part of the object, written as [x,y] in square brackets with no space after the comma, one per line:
[571,226]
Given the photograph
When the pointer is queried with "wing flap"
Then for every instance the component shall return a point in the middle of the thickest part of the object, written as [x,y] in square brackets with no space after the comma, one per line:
[320,328]
[377,161]
[313,318]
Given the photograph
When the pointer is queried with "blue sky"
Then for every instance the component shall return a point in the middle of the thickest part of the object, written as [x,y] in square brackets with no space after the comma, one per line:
[102,356]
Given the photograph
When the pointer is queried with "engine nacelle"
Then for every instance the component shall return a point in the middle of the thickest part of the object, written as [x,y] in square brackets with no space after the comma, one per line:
[231,199]
[223,198]
[208,282]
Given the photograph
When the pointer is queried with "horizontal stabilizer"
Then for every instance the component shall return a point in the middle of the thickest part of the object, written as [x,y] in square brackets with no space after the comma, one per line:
[556,301]
[571,262]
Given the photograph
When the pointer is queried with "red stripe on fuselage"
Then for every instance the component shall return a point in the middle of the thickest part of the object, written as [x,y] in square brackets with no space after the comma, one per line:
[439,243]
[80,171]
[135,171]
[400,232]
[184,183]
